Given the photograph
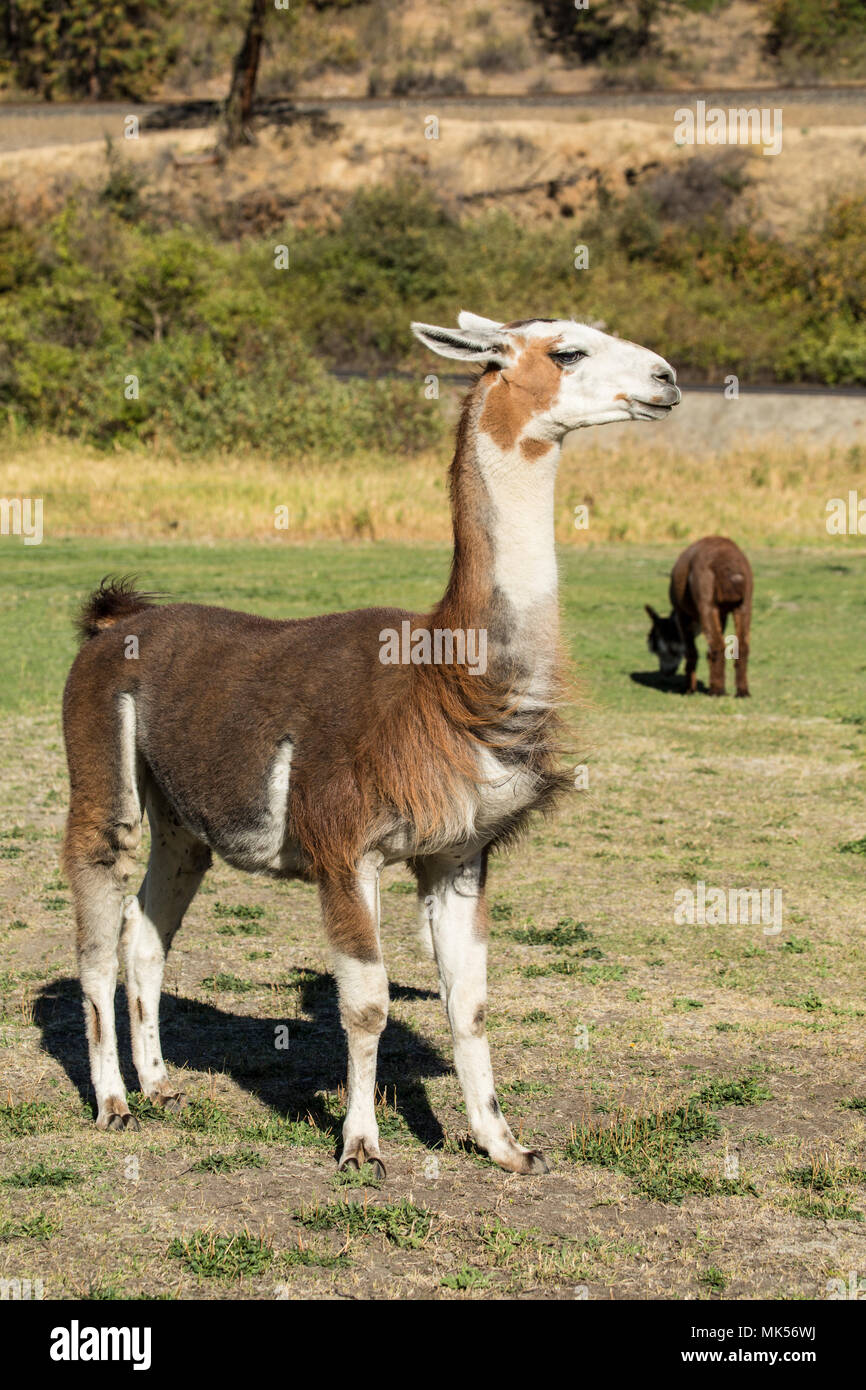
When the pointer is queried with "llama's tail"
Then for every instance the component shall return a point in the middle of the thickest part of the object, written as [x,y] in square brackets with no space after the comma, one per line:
[114,599]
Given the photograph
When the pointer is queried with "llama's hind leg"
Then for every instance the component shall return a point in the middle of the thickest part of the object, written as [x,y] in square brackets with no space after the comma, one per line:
[178,862]
[742,622]
[102,833]
[714,631]
[99,907]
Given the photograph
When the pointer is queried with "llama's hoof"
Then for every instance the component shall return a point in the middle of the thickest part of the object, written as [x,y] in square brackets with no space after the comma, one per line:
[114,1114]
[356,1155]
[527,1162]
[535,1164]
[121,1122]
[743,694]
[717,693]
[172,1101]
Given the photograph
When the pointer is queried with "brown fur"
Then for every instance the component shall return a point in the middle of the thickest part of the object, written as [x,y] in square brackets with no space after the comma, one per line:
[514,398]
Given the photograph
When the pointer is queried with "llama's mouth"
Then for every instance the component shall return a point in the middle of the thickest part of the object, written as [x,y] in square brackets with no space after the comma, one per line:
[650,410]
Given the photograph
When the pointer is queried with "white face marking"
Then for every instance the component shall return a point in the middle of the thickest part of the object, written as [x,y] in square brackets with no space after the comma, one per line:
[612,379]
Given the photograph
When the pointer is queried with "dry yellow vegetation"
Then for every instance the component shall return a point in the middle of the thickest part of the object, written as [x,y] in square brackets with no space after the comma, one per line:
[636,487]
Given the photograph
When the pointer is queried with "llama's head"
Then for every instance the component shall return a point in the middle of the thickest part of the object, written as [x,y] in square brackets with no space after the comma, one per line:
[665,640]
[550,376]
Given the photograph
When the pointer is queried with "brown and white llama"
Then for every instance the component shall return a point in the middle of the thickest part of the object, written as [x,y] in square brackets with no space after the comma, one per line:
[294,749]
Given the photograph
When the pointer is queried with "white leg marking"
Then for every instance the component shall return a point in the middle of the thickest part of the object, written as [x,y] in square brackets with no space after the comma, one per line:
[150,920]
[363,992]
[100,908]
[461,956]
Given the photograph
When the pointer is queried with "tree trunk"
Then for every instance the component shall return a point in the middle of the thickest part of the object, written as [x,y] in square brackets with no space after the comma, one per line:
[244,74]
[11,28]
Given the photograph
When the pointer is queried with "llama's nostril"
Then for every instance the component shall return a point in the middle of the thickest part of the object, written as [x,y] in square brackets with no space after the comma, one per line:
[664,374]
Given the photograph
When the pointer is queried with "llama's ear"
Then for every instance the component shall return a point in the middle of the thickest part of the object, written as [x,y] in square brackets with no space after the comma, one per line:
[480,346]
[652,613]
[474,323]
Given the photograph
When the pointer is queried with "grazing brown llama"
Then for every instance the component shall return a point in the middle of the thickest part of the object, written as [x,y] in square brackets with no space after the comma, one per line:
[711,579]
[307,749]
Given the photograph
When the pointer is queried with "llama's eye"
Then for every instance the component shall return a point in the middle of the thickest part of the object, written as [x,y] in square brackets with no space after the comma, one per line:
[568,359]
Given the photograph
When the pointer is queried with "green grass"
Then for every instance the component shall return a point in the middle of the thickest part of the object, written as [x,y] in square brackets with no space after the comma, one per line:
[316,1259]
[223,1257]
[592,974]
[227,983]
[822,1208]
[649,1149]
[204,1116]
[39,1227]
[229,1163]
[356,1177]
[748,1091]
[276,1129]
[402,1223]
[566,933]
[805,601]
[245,912]
[27,1117]
[466,1278]
[40,1175]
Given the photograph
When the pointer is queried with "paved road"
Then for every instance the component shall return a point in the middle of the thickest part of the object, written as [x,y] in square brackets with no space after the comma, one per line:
[29,126]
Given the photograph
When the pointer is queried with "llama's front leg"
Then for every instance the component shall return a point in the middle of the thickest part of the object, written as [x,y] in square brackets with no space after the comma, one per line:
[351,911]
[453,899]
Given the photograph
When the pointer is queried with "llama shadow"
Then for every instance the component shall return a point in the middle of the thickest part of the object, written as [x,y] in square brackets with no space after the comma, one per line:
[205,1038]
[666,685]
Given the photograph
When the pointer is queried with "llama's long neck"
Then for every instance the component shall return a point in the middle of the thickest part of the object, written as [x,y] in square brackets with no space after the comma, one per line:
[504,575]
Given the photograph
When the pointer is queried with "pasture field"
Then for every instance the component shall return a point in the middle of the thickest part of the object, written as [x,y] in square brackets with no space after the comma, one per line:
[700,1089]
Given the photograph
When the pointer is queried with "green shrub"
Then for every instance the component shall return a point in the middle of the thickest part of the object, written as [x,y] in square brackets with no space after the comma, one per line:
[814,27]
[117,48]
[231,354]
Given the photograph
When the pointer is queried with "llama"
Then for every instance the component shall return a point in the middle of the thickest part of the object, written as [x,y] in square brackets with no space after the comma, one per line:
[711,579]
[313,757]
